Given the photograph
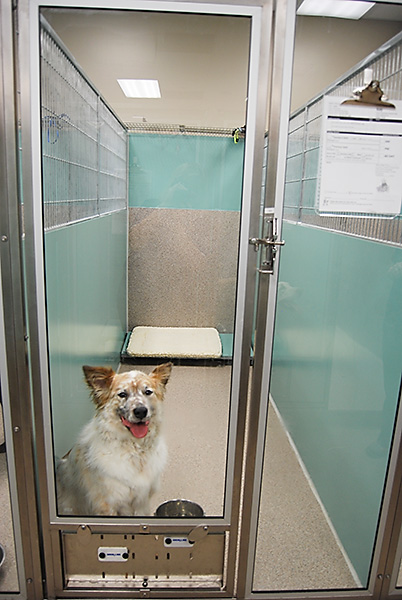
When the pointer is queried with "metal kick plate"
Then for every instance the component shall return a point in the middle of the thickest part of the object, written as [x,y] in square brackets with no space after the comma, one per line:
[142,561]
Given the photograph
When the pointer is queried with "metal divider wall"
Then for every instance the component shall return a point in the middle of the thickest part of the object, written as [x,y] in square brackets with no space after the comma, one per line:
[84,174]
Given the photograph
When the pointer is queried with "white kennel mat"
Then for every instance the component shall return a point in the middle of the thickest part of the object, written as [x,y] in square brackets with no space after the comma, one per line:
[178,342]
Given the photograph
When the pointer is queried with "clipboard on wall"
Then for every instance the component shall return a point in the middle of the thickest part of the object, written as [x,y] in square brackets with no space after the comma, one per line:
[360,164]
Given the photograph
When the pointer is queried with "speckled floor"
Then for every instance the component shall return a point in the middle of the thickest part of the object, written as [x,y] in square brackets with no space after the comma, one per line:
[296,549]
[8,572]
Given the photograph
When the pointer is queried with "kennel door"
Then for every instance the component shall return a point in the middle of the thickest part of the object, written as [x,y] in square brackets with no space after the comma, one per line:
[138,254]
[329,419]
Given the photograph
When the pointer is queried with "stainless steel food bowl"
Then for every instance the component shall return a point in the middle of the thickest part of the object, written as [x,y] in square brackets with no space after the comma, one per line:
[179,508]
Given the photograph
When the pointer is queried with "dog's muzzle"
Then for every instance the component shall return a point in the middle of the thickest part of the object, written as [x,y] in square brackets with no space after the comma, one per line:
[139,427]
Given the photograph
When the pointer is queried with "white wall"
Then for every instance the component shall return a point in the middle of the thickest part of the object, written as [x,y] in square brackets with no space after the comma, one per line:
[326,48]
[201,60]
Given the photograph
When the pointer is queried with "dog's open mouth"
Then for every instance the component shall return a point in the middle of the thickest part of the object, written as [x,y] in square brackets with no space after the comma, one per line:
[138,430]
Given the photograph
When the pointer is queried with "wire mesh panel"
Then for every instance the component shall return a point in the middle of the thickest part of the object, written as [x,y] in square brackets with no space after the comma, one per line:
[83,143]
[304,142]
[112,161]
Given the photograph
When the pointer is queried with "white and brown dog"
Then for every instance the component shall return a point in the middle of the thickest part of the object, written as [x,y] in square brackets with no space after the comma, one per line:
[115,466]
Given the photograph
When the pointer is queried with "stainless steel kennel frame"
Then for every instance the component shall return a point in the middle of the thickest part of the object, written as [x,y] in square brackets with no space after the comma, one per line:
[238,566]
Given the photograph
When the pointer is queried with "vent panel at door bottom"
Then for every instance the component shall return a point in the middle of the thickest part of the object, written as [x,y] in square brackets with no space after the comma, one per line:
[142,561]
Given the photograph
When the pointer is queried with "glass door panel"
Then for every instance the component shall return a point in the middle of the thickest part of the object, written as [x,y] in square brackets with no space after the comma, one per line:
[178,278]
[330,408]
[336,368]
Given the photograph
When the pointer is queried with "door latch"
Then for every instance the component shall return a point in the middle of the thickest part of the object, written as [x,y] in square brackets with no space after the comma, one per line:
[198,533]
[269,244]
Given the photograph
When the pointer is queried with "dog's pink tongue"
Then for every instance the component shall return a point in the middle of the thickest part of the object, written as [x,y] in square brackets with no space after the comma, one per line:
[138,430]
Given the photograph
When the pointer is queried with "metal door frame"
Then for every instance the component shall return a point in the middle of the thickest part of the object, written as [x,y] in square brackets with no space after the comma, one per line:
[15,384]
[389,556]
[277,134]
[261,14]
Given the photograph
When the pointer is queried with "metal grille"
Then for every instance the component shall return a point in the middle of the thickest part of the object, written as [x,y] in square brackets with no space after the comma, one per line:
[174,129]
[83,144]
[304,146]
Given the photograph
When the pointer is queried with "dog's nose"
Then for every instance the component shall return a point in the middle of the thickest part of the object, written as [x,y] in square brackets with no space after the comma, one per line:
[140,412]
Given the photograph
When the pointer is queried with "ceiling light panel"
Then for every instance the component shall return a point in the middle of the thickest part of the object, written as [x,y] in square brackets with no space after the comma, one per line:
[140,88]
[342,9]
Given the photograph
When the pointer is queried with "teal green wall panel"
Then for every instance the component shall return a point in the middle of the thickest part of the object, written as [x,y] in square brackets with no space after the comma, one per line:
[185,171]
[86,274]
[337,371]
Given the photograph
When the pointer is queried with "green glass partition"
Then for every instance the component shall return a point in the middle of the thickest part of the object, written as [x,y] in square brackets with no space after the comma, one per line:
[182,171]
[86,307]
[336,372]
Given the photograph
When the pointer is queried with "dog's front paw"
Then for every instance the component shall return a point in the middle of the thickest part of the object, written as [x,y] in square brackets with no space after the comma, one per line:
[104,510]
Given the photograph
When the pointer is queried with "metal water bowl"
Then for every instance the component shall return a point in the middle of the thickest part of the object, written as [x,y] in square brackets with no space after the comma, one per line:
[179,508]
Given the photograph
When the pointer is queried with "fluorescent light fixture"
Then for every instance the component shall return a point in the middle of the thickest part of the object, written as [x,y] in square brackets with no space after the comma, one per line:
[140,88]
[342,9]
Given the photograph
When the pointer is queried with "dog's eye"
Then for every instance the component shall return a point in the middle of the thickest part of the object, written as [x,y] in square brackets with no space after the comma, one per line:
[148,392]
[122,394]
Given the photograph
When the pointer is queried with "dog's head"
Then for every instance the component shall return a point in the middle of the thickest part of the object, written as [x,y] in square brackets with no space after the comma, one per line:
[132,397]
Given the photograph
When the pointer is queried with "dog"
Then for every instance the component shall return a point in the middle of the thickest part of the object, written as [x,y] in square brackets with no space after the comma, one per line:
[115,466]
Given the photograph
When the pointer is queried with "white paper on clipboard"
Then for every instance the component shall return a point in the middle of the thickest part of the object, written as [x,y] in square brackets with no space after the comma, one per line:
[361,159]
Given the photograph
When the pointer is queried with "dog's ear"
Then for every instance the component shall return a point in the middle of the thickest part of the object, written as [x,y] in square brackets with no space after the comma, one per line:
[161,373]
[99,379]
